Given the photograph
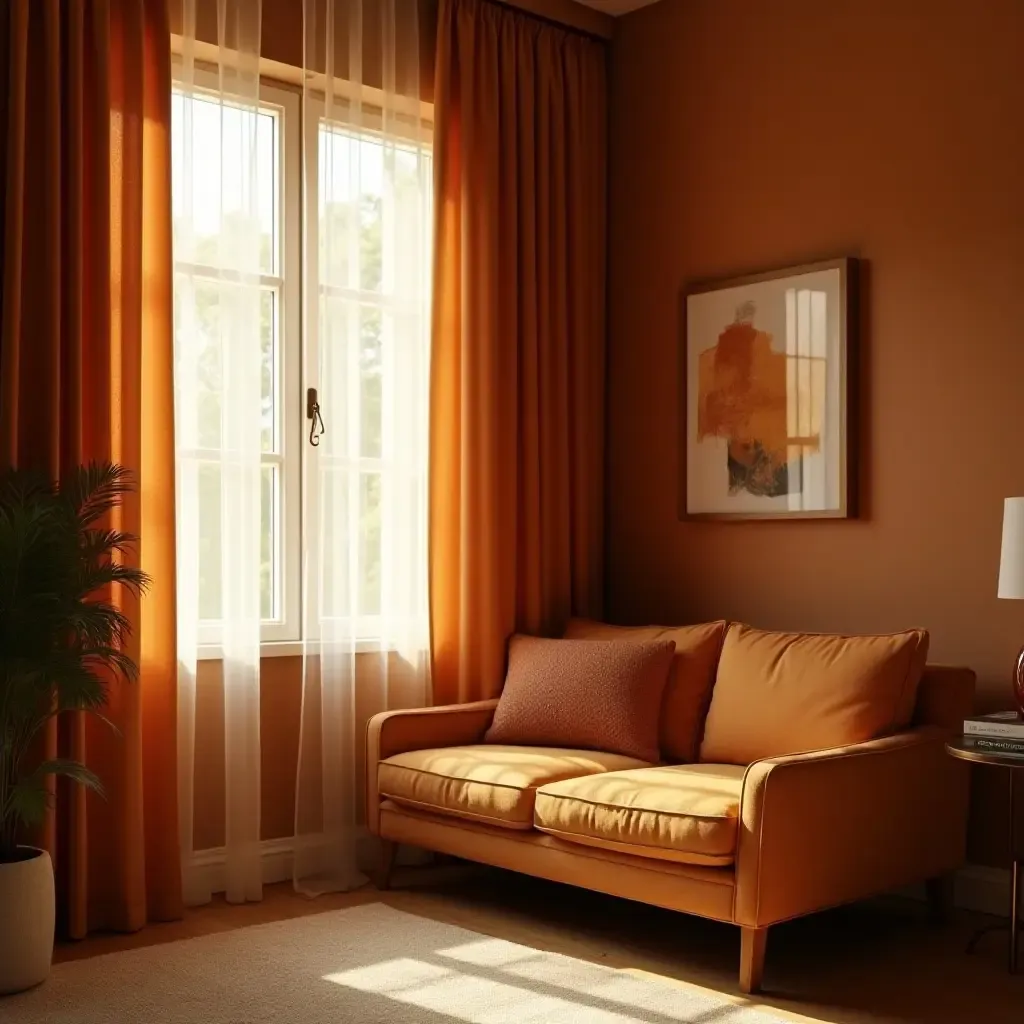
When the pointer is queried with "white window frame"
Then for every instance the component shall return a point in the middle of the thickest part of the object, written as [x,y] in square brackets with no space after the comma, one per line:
[281,635]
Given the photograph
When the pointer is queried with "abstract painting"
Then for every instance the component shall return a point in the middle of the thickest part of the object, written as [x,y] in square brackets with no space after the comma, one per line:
[767,387]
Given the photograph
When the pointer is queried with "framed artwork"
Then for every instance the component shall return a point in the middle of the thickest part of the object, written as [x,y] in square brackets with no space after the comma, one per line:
[767,365]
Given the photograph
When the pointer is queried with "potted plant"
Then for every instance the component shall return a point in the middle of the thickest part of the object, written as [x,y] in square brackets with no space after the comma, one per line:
[61,646]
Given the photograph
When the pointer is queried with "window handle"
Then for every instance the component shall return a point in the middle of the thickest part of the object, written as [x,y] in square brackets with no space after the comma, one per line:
[314,417]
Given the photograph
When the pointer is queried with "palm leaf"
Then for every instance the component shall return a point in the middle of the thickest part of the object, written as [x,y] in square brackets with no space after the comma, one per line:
[96,489]
[28,801]
[112,657]
[76,686]
[97,576]
[96,543]
[68,769]
[30,797]
[99,623]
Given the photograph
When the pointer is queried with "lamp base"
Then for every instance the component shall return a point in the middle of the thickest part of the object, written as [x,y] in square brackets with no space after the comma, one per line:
[1018,684]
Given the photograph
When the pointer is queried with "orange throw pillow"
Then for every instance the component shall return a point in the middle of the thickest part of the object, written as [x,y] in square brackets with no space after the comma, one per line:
[584,695]
[785,693]
[688,691]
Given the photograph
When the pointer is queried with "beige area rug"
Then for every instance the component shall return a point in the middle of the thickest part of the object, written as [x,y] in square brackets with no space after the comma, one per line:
[366,964]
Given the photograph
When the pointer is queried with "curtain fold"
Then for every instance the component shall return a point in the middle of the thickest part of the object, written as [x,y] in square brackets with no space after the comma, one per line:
[85,333]
[518,357]
[224,244]
[368,192]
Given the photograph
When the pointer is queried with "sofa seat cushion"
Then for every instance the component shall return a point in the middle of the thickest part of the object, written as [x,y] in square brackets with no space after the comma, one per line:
[685,813]
[489,783]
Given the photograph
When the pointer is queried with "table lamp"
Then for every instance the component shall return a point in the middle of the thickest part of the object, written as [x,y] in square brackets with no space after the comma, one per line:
[1011,578]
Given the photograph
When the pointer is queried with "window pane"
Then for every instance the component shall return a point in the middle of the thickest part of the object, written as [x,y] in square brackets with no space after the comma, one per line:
[351,190]
[369,544]
[196,319]
[371,369]
[225,171]
[335,544]
[335,332]
[352,237]
[351,378]
[268,143]
[269,371]
[197,334]
[209,542]
[270,496]
[370,243]
[350,556]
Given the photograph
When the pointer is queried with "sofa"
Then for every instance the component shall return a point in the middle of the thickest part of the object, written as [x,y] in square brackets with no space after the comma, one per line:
[796,772]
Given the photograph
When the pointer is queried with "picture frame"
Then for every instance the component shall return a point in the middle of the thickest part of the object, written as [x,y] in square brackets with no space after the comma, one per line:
[768,389]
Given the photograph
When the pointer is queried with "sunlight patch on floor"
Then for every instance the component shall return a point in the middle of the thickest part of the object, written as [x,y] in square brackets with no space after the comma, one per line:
[497,982]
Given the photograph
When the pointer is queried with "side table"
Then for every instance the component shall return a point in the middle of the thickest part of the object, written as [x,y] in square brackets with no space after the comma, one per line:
[959,748]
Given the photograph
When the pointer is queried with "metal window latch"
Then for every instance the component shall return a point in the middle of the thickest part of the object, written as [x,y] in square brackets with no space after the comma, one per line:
[314,417]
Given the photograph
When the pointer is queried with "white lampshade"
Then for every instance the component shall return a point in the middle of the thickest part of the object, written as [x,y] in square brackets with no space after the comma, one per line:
[1011,557]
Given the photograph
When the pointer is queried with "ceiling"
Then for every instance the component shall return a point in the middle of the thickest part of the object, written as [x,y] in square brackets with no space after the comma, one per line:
[616,6]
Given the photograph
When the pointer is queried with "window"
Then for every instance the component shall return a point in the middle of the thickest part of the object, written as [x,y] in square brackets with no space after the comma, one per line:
[358,298]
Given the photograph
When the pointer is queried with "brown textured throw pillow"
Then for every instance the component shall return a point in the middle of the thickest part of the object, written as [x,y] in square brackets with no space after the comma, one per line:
[583,694]
[688,690]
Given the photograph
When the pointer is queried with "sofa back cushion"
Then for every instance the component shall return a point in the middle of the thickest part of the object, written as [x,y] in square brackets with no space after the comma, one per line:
[583,695]
[783,693]
[688,691]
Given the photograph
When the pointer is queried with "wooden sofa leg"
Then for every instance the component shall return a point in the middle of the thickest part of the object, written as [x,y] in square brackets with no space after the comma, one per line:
[940,899]
[385,865]
[752,946]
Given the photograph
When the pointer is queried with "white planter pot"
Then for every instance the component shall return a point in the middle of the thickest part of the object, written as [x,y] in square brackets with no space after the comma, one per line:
[27,911]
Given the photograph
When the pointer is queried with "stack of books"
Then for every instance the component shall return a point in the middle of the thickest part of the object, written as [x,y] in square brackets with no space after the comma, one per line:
[999,733]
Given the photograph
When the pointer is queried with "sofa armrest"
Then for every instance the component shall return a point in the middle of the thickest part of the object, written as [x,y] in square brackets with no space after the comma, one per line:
[397,732]
[831,826]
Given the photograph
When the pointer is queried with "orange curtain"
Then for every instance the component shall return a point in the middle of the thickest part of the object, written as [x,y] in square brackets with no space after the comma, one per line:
[86,373]
[517,388]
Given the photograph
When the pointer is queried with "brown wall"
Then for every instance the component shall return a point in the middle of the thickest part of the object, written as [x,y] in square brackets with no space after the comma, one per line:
[749,135]
[378,686]
[280,710]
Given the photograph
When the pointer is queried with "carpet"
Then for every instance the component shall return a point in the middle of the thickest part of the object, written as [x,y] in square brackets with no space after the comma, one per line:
[367,964]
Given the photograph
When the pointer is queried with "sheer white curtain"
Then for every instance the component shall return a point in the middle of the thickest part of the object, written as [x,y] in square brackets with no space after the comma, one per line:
[368,181]
[218,226]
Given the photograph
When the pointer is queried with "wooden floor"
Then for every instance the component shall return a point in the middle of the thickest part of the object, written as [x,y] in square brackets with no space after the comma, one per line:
[878,963]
